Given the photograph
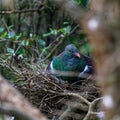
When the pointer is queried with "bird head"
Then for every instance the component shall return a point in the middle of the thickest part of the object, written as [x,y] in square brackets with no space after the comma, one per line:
[72,50]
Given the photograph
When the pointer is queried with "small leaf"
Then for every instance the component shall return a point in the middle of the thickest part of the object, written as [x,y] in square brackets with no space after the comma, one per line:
[25,43]
[10,27]
[68,29]
[18,36]
[66,23]
[11,34]
[41,42]
[84,3]
[2,29]
[78,2]
[63,30]
[11,51]
[4,35]
[46,34]
[53,31]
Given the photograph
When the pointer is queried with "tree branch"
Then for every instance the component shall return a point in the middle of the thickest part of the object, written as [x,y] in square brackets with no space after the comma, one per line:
[16,104]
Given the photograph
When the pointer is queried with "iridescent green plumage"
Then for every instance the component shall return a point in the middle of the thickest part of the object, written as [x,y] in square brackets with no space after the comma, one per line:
[69,64]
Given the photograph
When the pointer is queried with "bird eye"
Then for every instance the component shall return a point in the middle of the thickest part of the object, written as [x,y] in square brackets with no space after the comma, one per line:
[71,50]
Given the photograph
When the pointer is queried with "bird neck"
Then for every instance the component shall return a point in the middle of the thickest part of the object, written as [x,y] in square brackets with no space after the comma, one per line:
[68,55]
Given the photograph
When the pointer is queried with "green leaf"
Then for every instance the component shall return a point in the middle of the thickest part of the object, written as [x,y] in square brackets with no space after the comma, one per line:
[53,31]
[68,29]
[25,43]
[82,2]
[79,2]
[11,51]
[46,34]
[41,42]
[20,82]
[4,35]
[2,29]
[18,36]
[62,30]
[11,34]
[65,23]
[10,27]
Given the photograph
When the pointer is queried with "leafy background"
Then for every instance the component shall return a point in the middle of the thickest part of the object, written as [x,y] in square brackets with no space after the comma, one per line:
[29,37]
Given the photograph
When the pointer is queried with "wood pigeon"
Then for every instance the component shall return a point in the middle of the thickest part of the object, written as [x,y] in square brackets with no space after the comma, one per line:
[70,65]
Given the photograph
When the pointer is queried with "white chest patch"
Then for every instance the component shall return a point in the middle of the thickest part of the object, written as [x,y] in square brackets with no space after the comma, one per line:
[86,68]
[51,66]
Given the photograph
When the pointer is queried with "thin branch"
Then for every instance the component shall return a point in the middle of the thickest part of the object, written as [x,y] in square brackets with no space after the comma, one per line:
[90,110]
[71,108]
[55,46]
[76,95]
[21,11]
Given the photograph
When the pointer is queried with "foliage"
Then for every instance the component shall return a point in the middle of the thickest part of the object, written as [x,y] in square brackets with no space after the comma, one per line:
[82,2]
[17,48]
[29,40]
[31,34]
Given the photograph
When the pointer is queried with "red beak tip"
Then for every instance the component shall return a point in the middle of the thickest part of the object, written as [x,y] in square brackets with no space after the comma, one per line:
[77,54]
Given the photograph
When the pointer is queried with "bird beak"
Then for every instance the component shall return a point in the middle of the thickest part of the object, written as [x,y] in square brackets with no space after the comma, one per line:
[77,55]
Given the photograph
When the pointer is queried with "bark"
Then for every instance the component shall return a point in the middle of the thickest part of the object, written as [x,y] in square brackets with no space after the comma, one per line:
[105,41]
[13,103]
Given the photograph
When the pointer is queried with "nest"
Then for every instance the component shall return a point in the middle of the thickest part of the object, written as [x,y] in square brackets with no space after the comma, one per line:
[58,99]
[55,98]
